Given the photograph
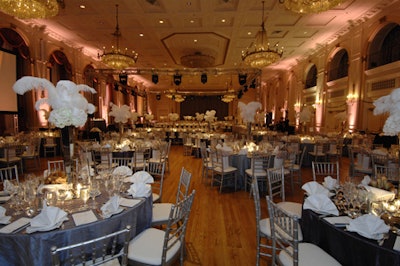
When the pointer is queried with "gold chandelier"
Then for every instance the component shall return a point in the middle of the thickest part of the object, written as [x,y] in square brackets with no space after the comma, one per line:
[29,9]
[310,6]
[259,54]
[115,58]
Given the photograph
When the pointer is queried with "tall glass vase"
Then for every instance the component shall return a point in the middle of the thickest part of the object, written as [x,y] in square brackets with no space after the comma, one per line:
[249,135]
[67,140]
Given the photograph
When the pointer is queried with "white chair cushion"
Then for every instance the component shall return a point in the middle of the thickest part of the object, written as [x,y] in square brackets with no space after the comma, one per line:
[309,254]
[257,173]
[265,227]
[161,211]
[293,208]
[147,247]
[155,197]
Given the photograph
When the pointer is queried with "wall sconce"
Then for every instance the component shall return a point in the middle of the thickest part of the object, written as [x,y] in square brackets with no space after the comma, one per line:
[317,103]
[352,98]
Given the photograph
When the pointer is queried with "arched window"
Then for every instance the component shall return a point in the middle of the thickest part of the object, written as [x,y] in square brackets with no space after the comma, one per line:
[339,65]
[311,79]
[385,48]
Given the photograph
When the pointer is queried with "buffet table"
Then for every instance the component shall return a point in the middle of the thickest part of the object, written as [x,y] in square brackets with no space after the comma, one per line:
[348,248]
[20,248]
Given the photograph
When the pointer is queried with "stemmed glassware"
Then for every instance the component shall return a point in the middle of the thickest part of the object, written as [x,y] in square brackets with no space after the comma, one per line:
[84,192]
[94,192]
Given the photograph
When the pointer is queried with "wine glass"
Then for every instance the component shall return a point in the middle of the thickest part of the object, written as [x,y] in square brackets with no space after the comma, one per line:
[94,192]
[85,196]
[62,195]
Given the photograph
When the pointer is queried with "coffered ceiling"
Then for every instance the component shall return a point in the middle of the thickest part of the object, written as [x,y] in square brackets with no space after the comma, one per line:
[164,32]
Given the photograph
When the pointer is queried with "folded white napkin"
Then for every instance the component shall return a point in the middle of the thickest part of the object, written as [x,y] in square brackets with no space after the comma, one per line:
[369,226]
[108,145]
[313,188]
[218,146]
[138,190]
[320,203]
[111,207]
[122,171]
[125,148]
[3,218]
[366,180]
[8,186]
[330,183]
[140,177]
[380,194]
[86,170]
[49,218]
[276,150]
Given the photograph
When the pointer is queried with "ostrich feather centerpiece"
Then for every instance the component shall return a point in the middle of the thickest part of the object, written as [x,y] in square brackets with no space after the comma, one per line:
[389,104]
[69,107]
[248,113]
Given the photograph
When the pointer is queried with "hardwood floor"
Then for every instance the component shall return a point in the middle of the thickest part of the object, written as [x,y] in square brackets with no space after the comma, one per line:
[221,229]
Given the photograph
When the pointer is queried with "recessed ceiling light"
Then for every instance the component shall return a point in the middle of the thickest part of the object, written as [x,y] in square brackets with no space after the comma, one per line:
[223,20]
[161,21]
[249,33]
[192,21]
[195,40]
[141,34]
[82,6]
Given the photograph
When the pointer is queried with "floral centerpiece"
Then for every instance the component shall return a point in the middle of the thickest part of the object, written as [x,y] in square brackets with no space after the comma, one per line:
[69,108]
[121,116]
[173,116]
[209,117]
[305,117]
[389,104]
[247,113]
[199,117]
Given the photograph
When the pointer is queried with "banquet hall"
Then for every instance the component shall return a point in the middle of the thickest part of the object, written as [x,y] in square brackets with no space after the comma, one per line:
[216,88]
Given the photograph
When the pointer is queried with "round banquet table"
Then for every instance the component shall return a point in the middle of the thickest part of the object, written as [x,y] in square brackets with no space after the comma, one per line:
[348,248]
[21,248]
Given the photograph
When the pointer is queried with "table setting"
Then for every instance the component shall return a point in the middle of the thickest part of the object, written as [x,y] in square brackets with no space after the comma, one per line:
[352,217]
[92,204]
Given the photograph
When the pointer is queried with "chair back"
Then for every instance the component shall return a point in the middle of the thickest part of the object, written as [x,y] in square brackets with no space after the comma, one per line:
[391,172]
[9,173]
[54,166]
[325,169]
[139,160]
[276,182]
[284,232]
[122,161]
[157,170]
[95,251]
[256,197]
[184,184]
[176,227]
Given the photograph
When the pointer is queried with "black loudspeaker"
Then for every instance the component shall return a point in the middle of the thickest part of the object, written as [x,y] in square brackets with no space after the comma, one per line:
[203,78]
[123,78]
[154,78]
[242,79]
[253,84]
[158,97]
[177,79]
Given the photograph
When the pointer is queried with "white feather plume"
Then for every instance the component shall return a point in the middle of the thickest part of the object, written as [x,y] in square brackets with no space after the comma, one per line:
[69,107]
[248,111]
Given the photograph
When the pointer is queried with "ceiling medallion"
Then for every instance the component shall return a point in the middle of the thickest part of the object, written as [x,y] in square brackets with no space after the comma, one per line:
[115,58]
[259,54]
[198,60]
[310,6]
[30,9]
